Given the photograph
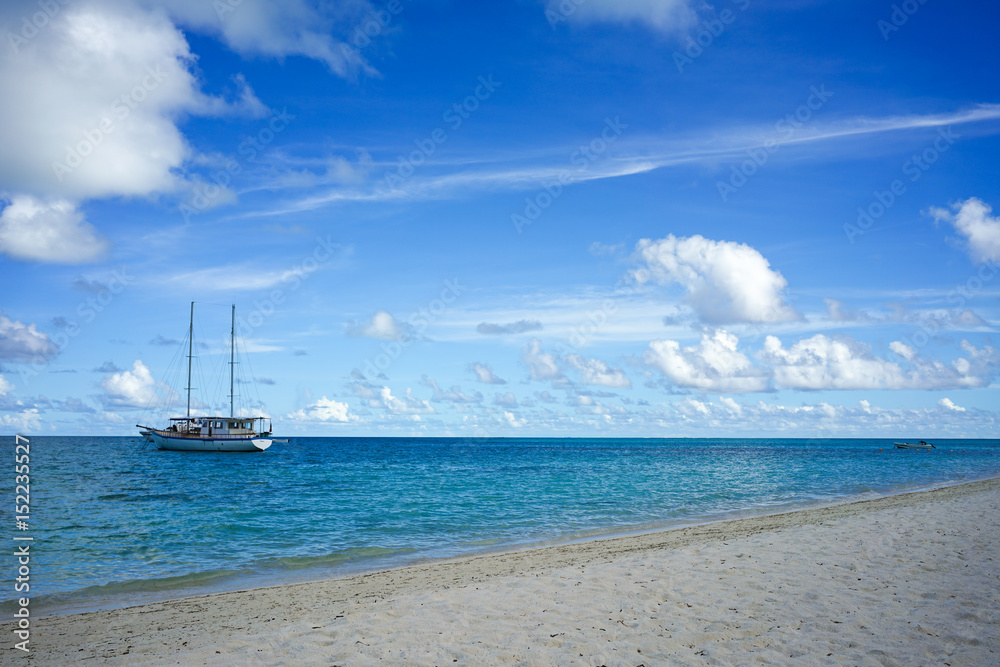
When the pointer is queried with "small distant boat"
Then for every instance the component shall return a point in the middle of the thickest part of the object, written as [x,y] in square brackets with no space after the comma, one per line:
[923,444]
[207,433]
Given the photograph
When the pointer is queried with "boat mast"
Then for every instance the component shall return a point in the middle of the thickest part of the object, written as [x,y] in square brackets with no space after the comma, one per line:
[190,352]
[232,360]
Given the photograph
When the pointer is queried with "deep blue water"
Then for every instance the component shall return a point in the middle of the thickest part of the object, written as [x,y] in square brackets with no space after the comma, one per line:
[116,522]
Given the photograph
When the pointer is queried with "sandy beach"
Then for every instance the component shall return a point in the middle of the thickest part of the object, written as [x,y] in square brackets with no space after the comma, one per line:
[905,580]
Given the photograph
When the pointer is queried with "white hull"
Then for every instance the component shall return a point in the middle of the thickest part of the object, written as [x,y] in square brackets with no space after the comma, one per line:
[911,445]
[195,444]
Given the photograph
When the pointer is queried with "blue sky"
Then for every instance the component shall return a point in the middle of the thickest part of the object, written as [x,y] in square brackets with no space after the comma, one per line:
[576,218]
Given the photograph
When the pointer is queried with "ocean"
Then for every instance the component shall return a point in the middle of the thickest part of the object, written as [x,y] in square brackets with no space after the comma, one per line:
[114,522]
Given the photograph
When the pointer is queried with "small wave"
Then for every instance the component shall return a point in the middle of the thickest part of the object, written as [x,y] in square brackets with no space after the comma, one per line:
[131,591]
[332,559]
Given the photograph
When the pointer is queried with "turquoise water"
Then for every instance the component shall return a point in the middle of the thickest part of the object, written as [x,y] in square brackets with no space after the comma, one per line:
[116,522]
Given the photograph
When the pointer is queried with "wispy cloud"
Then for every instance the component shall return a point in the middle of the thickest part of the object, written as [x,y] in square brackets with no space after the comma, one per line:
[235,278]
[538,166]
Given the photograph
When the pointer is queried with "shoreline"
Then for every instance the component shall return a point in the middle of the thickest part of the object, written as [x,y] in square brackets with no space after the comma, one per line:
[287,620]
[260,581]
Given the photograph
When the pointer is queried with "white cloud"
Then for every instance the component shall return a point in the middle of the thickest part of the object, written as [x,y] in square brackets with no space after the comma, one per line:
[23,342]
[110,418]
[595,371]
[714,364]
[403,405]
[236,277]
[949,405]
[103,122]
[506,400]
[510,420]
[662,15]
[547,366]
[726,282]
[454,395]
[502,171]
[278,30]
[323,410]
[25,421]
[91,108]
[53,231]
[541,365]
[903,350]
[731,405]
[5,386]
[973,221]
[820,419]
[690,407]
[816,363]
[484,373]
[382,398]
[130,389]
[521,326]
[821,362]
[382,326]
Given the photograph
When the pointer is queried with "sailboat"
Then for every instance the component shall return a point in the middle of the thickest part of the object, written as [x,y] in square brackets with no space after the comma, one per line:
[211,433]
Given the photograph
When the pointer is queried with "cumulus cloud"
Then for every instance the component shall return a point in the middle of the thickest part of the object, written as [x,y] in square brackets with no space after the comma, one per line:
[49,231]
[667,16]
[380,397]
[5,386]
[102,124]
[548,366]
[947,404]
[903,350]
[546,397]
[541,365]
[92,102]
[402,405]
[510,420]
[453,395]
[816,363]
[822,362]
[382,326]
[129,389]
[726,282]
[484,373]
[595,371]
[23,342]
[973,220]
[861,419]
[25,421]
[323,410]
[506,400]
[521,326]
[715,364]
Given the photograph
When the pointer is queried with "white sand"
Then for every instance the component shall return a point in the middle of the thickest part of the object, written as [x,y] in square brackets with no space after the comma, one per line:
[906,580]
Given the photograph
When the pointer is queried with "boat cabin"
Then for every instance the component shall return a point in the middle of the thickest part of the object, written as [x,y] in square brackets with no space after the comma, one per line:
[218,427]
